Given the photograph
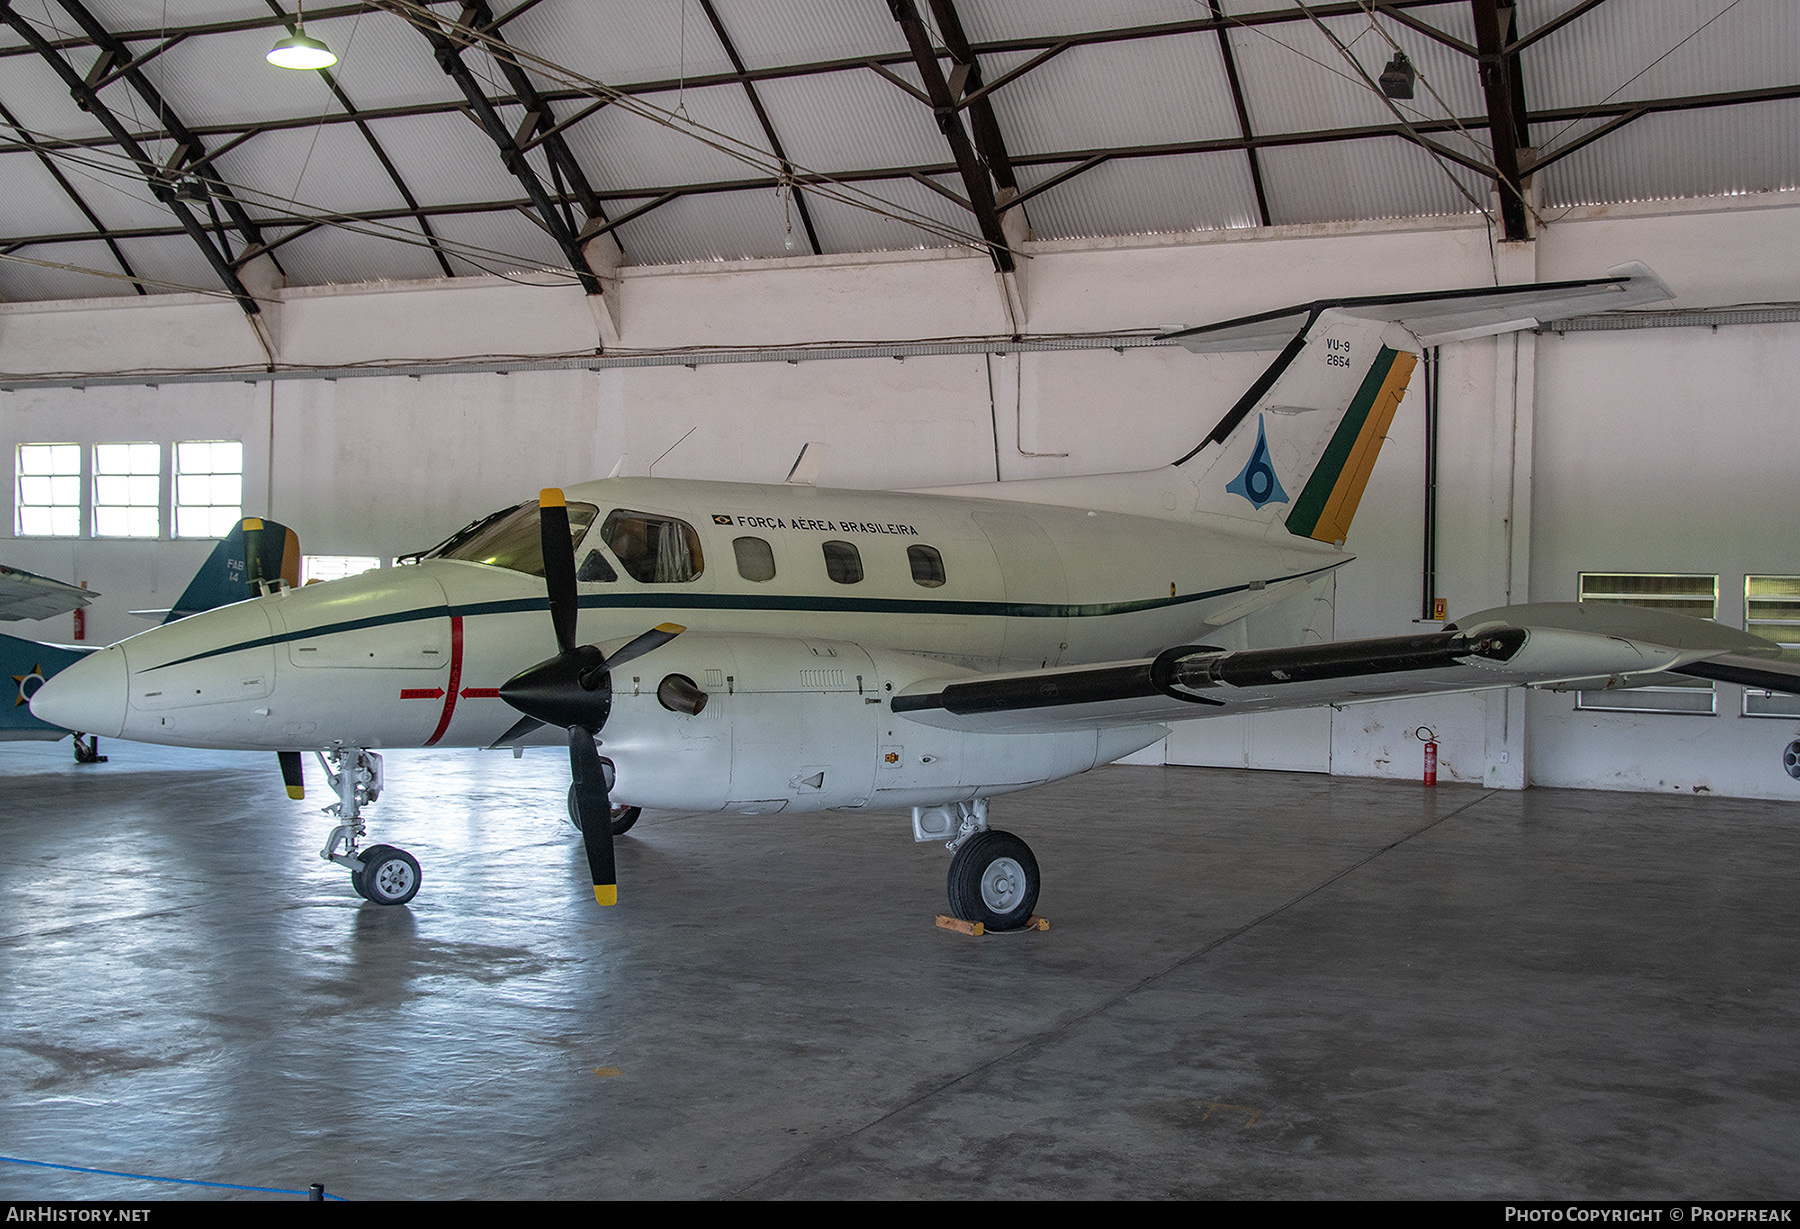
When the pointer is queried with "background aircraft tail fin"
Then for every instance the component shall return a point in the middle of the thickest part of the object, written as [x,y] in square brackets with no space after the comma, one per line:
[25,664]
[256,551]
[1299,445]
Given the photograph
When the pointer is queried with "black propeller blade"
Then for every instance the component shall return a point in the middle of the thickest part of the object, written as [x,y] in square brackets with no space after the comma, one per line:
[574,690]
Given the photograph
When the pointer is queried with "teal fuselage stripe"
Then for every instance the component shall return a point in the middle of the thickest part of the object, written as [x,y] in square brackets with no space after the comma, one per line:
[669,605]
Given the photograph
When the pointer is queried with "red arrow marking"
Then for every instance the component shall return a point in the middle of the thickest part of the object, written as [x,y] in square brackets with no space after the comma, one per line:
[421,693]
[480,693]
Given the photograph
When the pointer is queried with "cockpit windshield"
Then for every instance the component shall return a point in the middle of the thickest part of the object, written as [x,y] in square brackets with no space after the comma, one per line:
[511,538]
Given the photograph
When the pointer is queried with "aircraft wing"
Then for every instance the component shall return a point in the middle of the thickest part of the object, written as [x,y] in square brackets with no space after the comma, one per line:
[26,595]
[1558,646]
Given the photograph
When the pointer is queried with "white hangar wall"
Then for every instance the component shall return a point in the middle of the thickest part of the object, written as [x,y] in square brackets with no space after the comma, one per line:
[1650,450]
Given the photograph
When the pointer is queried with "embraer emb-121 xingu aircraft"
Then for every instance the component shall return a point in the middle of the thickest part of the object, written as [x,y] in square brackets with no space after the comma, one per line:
[724,646]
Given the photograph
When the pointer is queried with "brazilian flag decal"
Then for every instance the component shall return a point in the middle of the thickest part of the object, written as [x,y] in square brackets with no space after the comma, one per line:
[1325,507]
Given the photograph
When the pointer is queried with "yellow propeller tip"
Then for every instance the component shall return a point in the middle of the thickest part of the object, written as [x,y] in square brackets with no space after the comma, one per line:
[551,497]
[296,791]
[606,893]
[673,629]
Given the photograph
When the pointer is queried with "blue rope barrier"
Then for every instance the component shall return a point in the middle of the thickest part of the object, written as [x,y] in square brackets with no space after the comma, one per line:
[114,1173]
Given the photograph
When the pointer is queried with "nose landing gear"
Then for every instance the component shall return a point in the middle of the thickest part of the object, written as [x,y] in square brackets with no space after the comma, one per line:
[381,874]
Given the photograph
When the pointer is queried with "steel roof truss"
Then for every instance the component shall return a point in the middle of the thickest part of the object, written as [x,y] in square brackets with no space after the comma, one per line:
[975,173]
[448,49]
[762,116]
[148,166]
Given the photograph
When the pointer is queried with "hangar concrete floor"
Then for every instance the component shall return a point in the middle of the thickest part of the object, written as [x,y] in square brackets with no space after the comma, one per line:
[1255,985]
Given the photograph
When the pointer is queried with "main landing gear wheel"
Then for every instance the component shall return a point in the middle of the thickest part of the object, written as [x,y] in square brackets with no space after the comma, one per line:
[622,817]
[994,881]
[388,876]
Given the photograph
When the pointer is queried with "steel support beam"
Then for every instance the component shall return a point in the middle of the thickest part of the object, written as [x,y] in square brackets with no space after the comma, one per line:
[337,91]
[1243,115]
[188,144]
[762,117]
[975,173]
[69,191]
[151,169]
[448,47]
[1509,127]
[1072,162]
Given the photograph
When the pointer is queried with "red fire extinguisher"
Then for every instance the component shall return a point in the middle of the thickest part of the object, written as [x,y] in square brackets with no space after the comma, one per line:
[1428,736]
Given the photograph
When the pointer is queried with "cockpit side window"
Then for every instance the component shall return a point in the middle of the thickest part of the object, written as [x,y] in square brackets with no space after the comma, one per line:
[595,568]
[512,539]
[653,550]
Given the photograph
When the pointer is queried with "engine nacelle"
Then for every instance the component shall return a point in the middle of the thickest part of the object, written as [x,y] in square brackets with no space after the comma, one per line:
[805,725]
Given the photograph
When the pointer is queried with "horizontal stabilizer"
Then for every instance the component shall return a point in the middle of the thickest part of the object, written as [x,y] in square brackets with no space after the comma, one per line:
[1440,316]
[26,595]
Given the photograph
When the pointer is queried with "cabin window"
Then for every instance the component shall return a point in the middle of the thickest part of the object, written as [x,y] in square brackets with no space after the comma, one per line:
[653,550]
[511,539]
[1694,595]
[927,565]
[754,558]
[843,562]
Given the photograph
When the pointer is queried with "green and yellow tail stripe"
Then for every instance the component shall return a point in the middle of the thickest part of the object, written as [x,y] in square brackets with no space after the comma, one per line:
[1324,509]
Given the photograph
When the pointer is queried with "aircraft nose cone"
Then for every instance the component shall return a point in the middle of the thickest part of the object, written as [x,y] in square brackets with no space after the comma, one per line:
[89,696]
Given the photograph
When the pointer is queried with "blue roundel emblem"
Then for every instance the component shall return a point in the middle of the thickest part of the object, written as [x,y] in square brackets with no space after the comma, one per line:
[1257,482]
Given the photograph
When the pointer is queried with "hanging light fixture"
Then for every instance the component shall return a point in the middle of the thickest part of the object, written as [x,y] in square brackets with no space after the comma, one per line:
[1398,77]
[299,51]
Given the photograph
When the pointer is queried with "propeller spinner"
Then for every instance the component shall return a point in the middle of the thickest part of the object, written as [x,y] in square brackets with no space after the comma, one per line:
[574,690]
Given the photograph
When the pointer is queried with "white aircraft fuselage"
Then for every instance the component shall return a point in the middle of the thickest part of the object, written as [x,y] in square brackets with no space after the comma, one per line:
[937,585]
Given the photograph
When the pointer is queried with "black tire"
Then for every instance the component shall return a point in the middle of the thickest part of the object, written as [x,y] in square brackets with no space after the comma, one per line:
[622,817]
[389,876]
[994,881]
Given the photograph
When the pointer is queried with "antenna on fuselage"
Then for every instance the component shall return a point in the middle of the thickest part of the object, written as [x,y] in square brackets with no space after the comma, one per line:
[806,466]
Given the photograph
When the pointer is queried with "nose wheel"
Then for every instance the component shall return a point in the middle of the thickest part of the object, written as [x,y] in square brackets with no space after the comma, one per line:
[381,874]
[386,876]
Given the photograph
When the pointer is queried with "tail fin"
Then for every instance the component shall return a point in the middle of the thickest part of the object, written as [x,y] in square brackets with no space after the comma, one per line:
[1314,422]
[1300,445]
[26,663]
[257,551]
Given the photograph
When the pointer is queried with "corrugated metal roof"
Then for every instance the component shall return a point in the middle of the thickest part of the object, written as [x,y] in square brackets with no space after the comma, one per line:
[1123,112]
[1157,196]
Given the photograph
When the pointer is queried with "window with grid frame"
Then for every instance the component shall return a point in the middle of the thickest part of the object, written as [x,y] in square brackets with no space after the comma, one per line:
[209,487]
[127,490]
[1772,611]
[47,491]
[1689,594]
